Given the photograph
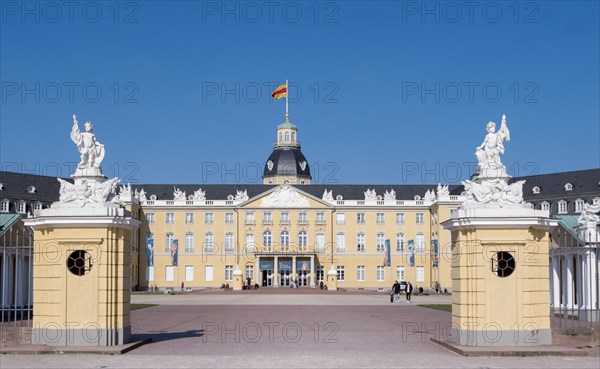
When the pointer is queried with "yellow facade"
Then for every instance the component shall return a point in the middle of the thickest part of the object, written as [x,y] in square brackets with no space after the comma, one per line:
[332,237]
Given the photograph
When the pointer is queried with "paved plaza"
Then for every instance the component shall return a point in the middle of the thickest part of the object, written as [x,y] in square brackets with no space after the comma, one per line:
[288,328]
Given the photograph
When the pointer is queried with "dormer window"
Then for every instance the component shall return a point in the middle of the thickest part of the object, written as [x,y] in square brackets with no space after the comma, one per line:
[153,197]
[568,187]
[5,206]
[545,206]
[562,207]
[21,207]
[1,186]
[417,197]
[535,190]
[339,197]
[579,204]
[31,189]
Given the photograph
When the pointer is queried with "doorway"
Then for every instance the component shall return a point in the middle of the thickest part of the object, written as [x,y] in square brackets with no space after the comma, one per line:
[285,277]
[303,278]
[267,278]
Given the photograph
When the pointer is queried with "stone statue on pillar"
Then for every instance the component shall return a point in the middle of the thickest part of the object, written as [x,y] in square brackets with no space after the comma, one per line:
[90,150]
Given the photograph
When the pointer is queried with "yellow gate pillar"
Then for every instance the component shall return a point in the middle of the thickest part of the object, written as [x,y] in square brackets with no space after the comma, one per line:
[500,265]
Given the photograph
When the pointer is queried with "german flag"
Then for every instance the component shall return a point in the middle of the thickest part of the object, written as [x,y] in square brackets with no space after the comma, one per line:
[280,92]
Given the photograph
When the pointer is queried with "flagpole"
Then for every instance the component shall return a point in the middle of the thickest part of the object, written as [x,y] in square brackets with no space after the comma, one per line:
[287,90]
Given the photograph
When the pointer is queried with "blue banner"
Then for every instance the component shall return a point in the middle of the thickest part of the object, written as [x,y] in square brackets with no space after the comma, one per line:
[265,265]
[434,246]
[284,265]
[303,265]
[150,251]
[387,260]
[411,253]
[174,252]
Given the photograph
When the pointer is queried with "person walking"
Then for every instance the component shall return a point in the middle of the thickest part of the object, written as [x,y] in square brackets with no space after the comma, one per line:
[396,291]
[409,289]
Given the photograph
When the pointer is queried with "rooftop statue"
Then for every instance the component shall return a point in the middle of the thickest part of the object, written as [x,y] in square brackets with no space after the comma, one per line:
[90,150]
[488,153]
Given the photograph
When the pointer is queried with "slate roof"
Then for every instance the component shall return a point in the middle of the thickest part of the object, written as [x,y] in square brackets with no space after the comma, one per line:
[287,162]
[585,185]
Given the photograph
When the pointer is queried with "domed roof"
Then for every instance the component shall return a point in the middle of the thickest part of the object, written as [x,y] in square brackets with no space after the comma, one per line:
[287,124]
[290,162]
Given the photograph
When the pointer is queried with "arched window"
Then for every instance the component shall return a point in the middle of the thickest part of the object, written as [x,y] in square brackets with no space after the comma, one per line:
[267,239]
[545,206]
[568,187]
[284,239]
[536,190]
[209,242]
[579,203]
[287,136]
[293,136]
[302,240]
[562,207]
[279,136]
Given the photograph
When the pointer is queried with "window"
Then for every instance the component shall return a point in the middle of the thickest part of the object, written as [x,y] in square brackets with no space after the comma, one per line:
[562,207]
[340,242]
[399,218]
[229,241]
[420,243]
[400,273]
[189,242]
[150,218]
[320,218]
[285,218]
[568,187]
[249,242]
[250,218]
[189,218]
[380,242]
[209,242]
[209,218]
[380,218]
[380,274]
[267,239]
[229,272]
[169,276]
[535,190]
[31,189]
[189,273]
[284,240]
[208,273]
[320,273]
[168,241]
[302,240]
[545,206]
[170,218]
[420,274]
[341,275]
[320,242]
[286,136]
[37,206]
[360,218]
[21,207]
[360,242]
[360,273]
[267,218]
[250,272]
[579,203]
[400,242]
[5,206]
[420,218]
[340,218]
[228,218]
[453,213]
[302,218]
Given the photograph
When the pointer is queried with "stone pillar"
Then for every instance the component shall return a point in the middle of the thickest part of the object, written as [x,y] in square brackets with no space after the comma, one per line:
[275,272]
[555,282]
[332,278]
[312,271]
[238,282]
[495,251]
[257,274]
[570,279]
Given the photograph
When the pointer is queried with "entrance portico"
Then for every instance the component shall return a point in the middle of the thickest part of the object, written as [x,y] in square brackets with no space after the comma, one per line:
[282,269]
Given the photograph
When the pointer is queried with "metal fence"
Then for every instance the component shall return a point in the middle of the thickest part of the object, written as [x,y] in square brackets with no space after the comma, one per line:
[575,286]
[16,275]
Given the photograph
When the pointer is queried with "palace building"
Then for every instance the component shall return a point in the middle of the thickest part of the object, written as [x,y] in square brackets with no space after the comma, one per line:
[287,230]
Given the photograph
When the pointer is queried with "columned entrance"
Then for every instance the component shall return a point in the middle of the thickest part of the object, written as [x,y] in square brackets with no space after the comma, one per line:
[285,270]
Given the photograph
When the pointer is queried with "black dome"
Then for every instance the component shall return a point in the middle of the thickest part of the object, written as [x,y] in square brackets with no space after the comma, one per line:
[286,162]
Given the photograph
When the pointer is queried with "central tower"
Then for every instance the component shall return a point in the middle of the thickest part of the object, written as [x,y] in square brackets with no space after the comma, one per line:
[286,164]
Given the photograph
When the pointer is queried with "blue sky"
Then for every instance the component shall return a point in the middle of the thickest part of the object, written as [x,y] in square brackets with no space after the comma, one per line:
[384,92]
